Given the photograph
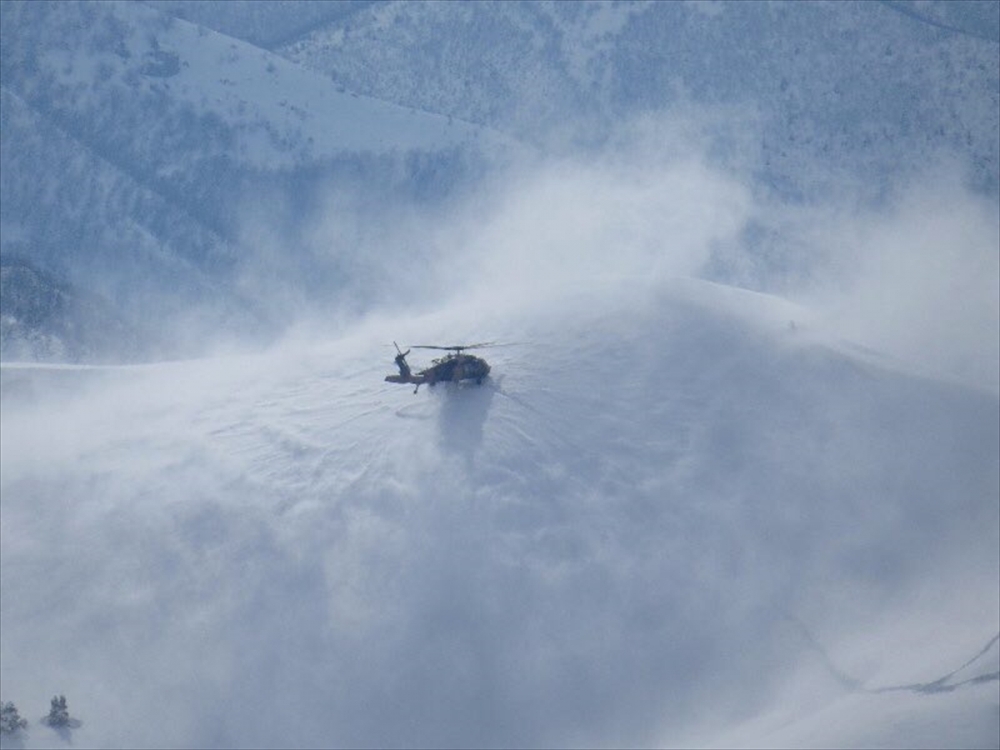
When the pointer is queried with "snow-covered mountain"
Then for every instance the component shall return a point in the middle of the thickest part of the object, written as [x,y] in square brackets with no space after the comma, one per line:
[677,515]
[175,158]
[141,151]
[735,477]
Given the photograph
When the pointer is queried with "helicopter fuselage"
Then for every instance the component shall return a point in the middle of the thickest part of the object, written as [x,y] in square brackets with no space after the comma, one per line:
[456,367]
[453,368]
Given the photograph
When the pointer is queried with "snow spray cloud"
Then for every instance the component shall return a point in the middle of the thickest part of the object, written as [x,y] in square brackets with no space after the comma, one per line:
[651,203]
[634,213]
[917,278]
[911,272]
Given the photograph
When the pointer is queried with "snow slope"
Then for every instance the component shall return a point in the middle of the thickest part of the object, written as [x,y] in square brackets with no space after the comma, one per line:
[815,92]
[280,113]
[245,84]
[678,514]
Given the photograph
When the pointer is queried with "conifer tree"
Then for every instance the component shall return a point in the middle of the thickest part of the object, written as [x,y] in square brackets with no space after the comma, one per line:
[58,714]
[10,720]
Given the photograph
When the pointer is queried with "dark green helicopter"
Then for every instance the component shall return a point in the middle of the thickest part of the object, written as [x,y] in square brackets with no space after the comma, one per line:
[453,367]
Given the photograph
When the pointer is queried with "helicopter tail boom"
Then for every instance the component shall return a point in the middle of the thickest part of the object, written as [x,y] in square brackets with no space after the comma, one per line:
[414,379]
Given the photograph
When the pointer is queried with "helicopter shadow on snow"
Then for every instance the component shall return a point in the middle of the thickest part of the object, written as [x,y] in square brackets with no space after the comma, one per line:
[462,416]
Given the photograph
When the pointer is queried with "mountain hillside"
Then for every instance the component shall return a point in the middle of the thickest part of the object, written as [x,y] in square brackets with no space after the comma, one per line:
[175,159]
[677,514]
[811,95]
[42,319]
[140,152]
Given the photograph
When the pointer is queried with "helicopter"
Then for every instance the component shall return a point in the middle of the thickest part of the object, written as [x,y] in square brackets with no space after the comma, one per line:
[453,367]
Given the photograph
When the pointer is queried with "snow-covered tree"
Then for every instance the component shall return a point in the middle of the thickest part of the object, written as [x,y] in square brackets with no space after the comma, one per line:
[58,714]
[10,720]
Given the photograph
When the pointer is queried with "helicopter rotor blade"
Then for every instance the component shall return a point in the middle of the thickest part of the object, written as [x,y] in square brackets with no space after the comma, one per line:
[456,348]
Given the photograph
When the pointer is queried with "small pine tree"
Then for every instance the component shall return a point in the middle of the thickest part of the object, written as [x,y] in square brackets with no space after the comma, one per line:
[10,720]
[58,714]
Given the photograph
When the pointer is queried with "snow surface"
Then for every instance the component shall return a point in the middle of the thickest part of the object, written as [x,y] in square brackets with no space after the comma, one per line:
[666,520]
